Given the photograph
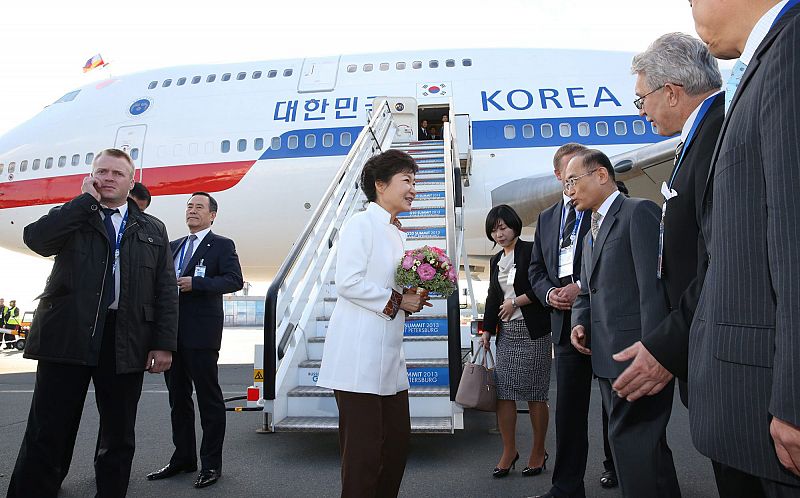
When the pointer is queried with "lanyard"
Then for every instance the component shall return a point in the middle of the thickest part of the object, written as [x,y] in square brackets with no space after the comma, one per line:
[789,5]
[119,241]
[704,107]
[578,218]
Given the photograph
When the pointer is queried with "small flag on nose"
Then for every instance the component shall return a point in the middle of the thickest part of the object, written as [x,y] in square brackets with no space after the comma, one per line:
[95,61]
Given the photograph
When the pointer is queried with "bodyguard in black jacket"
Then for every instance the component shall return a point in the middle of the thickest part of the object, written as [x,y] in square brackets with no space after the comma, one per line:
[108,312]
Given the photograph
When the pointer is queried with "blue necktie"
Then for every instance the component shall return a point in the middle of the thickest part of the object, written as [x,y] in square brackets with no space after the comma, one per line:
[109,291]
[733,83]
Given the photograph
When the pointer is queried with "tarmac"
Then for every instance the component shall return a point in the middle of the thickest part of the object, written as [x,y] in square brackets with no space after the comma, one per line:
[286,465]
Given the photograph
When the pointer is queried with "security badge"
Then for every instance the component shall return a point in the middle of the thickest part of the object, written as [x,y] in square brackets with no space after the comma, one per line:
[512,274]
[200,269]
[668,194]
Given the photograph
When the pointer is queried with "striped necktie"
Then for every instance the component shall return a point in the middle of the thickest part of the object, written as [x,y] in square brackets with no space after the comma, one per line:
[733,83]
[595,223]
[678,151]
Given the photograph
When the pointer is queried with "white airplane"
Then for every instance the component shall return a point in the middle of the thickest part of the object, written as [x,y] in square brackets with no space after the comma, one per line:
[266,137]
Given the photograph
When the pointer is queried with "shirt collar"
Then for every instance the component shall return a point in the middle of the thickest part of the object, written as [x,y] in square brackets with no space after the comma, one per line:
[201,234]
[376,211]
[687,126]
[607,203]
[122,209]
[760,31]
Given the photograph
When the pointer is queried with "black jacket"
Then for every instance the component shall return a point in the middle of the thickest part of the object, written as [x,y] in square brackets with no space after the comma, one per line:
[537,318]
[201,314]
[70,311]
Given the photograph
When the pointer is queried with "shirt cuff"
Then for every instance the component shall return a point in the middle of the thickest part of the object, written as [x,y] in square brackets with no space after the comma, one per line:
[547,297]
[392,306]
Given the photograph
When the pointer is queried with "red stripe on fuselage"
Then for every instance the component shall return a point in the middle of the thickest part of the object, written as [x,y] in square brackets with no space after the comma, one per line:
[167,180]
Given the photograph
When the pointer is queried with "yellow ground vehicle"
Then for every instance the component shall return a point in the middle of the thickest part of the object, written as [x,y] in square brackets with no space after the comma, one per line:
[22,332]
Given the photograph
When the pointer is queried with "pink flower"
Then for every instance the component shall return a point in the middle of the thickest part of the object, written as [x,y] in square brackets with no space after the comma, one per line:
[451,274]
[426,272]
[408,262]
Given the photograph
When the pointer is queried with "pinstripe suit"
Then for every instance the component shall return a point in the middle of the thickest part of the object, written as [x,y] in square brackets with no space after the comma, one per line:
[744,349]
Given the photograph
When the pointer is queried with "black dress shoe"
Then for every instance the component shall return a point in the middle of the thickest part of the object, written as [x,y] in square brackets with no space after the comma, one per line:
[535,471]
[170,470]
[207,478]
[608,479]
[546,495]
[498,472]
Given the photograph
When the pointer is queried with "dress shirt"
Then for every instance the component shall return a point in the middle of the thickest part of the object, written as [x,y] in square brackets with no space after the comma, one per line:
[605,206]
[186,258]
[116,220]
[687,126]
[760,31]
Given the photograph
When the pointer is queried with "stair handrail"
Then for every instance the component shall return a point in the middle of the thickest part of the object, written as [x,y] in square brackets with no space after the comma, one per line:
[379,125]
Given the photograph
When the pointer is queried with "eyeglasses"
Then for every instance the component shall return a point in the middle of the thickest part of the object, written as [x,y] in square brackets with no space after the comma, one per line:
[570,184]
[639,103]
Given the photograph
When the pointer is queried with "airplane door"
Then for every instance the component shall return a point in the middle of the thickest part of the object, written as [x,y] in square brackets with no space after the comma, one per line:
[318,75]
[131,140]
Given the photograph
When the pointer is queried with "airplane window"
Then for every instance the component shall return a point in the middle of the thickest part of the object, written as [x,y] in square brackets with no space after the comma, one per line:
[352,68]
[256,75]
[76,159]
[23,166]
[292,142]
[509,132]
[367,68]
[527,131]
[311,141]
[602,128]
[48,163]
[450,63]
[327,140]
[466,62]
[36,164]
[416,64]
[547,130]
[196,80]
[241,76]
[384,66]
[287,72]
[620,128]
[241,145]
[272,74]
[345,139]
[211,78]
[226,76]
[565,130]
[433,64]
[177,150]
[181,81]
[225,146]
[167,82]
[89,158]
[653,127]
[152,85]
[68,97]
[400,66]
[583,129]
[193,149]
[639,127]
[135,153]
[11,167]
[276,143]
[62,161]
[258,143]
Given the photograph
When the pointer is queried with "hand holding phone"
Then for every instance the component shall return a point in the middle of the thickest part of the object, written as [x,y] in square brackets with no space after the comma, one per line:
[91,185]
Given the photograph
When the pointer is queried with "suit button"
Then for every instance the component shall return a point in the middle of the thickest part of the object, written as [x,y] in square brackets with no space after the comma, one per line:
[94,207]
[150,239]
[594,291]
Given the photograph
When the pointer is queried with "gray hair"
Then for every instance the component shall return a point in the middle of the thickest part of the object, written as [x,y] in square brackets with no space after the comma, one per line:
[681,59]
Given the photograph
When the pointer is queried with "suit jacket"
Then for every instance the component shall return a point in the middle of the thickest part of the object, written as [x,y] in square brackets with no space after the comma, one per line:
[543,271]
[200,313]
[423,134]
[621,297]
[684,247]
[744,349]
[537,319]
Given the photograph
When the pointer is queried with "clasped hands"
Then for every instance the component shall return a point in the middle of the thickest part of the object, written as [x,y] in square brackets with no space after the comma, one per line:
[414,300]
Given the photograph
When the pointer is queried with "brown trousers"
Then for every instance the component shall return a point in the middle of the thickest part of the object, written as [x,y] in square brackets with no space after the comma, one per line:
[373,437]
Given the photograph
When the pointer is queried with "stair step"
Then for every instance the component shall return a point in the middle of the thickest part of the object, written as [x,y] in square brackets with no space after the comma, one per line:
[425,233]
[417,325]
[430,195]
[415,391]
[331,424]
[418,143]
[423,213]
[428,181]
[410,364]
[406,338]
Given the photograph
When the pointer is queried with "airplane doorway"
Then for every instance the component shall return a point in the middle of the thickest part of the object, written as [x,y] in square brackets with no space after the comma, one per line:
[131,140]
[433,115]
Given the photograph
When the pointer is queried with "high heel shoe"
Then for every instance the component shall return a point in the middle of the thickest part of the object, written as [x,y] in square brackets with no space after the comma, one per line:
[498,472]
[535,471]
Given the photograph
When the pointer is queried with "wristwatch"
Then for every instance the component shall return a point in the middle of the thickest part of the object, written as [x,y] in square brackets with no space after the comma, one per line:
[514,302]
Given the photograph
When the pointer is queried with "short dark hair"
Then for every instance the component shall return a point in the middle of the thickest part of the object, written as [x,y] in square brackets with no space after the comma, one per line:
[212,203]
[623,189]
[507,215]
[140,192]
[383,167]
[566,150]
[594,157]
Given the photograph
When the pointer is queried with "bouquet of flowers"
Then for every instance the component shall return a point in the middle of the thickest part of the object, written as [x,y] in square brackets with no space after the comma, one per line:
[428,268]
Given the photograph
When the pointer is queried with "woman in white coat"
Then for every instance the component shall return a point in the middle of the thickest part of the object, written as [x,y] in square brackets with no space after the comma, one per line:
[363,360]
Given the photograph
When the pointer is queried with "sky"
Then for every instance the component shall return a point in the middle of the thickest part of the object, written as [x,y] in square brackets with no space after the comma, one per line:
[44,45]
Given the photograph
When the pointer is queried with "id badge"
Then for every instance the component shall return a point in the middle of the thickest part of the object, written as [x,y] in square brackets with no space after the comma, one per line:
[200,270]
[512,274]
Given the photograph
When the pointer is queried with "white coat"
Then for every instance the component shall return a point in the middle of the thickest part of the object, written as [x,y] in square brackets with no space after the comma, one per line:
[363,347]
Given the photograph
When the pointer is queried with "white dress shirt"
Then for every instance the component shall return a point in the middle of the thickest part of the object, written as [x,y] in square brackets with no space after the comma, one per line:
[116,220]
[188,257]
[363,350]
[687,126]
[605,206]
[760,31]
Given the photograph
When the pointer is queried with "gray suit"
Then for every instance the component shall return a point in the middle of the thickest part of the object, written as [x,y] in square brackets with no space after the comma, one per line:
[622,297]
[744,350]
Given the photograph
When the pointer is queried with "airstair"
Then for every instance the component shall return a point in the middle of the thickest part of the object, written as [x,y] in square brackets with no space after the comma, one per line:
[303,295]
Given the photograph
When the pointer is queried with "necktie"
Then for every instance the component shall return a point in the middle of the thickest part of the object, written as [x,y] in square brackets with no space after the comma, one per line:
[187,254]
[109,291]
[733,83]
[595,223]
[569,227]
[678,151]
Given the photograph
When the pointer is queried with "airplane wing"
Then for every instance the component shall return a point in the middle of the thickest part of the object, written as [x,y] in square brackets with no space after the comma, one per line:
[644,169]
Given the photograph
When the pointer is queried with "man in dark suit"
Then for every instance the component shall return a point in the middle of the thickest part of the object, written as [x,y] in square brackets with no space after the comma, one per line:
[423,130]
[207,267]
[620,297]
[686,100]
[554,274]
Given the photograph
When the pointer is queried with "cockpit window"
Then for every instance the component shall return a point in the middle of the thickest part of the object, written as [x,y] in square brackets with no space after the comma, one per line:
[68,97]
